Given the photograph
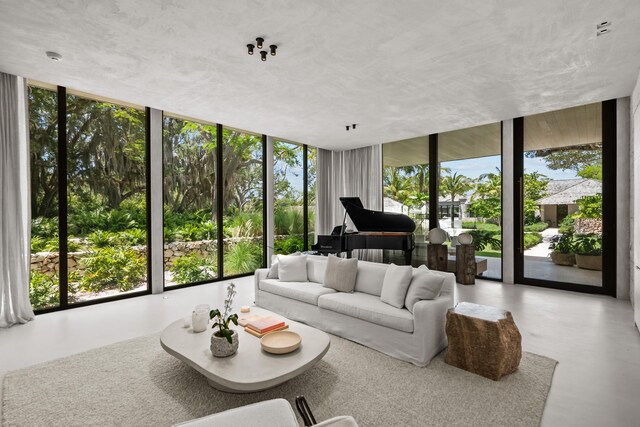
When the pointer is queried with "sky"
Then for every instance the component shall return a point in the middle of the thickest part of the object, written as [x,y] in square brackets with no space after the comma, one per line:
[473,168]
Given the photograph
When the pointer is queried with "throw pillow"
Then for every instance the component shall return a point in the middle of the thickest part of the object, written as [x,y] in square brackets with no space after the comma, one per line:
[341,274]
[273,270]
[292,268]
[395,284]
[424,285]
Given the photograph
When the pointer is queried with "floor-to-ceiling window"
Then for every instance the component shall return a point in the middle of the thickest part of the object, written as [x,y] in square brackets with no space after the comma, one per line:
[311,195]
[190,205]
[288,186]
[88,198]
[561,209]
[106,199]
[406,186]
[242,197]
[470,191]
[45,258]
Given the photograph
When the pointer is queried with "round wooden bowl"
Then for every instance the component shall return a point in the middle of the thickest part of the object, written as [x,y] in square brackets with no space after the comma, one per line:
[280,342]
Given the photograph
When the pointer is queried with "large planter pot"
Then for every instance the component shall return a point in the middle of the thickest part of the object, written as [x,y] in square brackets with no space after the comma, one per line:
[589,262]
[220,347]
[559,258]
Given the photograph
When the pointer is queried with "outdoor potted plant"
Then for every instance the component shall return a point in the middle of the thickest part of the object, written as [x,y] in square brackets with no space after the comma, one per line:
[224,341]
[564,252]
[589,252]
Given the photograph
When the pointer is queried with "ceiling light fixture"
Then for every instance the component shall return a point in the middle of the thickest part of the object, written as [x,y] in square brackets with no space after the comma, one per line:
[263,53]
[353,126]
[602,28]
[54,56]
[347,128]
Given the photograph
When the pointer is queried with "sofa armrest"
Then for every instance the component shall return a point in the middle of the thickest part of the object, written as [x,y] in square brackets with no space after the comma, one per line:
[269,413]
[260,274]
[342,421]
[428,313]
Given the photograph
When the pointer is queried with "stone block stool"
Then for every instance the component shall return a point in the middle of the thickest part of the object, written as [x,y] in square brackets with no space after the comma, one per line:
[483,340]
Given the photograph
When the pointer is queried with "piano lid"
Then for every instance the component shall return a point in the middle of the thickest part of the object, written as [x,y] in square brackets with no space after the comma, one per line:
[368,220]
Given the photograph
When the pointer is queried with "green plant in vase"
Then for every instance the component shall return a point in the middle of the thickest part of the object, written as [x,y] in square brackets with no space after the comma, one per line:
[224,341]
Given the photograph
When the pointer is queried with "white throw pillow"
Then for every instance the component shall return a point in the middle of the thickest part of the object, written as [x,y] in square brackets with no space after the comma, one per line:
[396,282]
[273,270]
[424,285]
[292,268]
[341,273]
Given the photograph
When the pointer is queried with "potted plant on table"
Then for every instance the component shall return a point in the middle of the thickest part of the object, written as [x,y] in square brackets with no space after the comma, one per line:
[224,341]
[589,252]
[564,251]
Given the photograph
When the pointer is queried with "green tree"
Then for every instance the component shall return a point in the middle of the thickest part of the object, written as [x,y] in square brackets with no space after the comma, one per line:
[486,201]
[452,186]
[397,185]
[535,188]
[573,158]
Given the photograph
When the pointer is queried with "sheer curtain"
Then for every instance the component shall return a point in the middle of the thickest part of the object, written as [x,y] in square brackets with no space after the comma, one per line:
[15,215]
[348,173]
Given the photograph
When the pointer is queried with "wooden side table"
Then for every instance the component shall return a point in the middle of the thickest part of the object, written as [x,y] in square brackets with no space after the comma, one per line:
[437,257]
[483,340]
[465,264]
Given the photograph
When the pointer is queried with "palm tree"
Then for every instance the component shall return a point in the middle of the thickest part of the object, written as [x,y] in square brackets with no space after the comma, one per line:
[454,185]
[396,186]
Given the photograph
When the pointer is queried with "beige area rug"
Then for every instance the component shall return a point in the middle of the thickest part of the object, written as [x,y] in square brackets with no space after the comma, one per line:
[136,383]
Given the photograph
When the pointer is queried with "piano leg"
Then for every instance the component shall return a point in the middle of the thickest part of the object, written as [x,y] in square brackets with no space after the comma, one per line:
[348,254]
[407,256]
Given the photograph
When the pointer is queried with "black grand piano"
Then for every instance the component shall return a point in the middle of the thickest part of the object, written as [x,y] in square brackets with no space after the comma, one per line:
[376,230]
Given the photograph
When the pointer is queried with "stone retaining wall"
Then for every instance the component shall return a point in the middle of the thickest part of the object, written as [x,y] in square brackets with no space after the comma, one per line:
[49,262]
[588,226]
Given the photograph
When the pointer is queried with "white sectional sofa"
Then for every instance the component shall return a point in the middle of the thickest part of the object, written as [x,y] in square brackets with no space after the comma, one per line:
[361,316]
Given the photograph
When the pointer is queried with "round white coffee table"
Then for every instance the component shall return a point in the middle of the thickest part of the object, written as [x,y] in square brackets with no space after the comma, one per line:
[250,369]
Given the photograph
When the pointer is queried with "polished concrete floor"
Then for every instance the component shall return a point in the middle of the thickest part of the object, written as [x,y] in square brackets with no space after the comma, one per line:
[597,381]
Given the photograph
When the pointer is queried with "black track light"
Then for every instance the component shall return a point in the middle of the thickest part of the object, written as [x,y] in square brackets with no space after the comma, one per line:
[347,128]
[263,55]
[353,126]
[259,42]
[250,49]
[273,48]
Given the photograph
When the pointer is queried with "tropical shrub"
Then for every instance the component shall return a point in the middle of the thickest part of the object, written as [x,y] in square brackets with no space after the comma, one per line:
[566,225]
[289,245]
[532,239]
[43,291]
[110,267]
[192,268]
[102,239]
[589,207]
[536,227]
[588,245]
[44,227]
[483,239]
[243,257]
[565,244]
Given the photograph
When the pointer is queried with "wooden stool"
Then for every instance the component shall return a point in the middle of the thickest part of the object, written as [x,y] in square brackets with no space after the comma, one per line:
[483,340]
[437,257]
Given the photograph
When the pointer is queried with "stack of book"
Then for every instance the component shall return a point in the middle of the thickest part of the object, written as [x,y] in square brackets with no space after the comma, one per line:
[261,325]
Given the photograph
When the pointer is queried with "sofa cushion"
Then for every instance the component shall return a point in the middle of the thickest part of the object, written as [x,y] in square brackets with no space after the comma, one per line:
[368,308]
[370,277]
[292,268]
[316,266]
[302,291]
[424,285]
[340,273]
[273,270]
[395,284]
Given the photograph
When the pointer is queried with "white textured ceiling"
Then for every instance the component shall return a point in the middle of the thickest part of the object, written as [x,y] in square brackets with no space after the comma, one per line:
[399,69]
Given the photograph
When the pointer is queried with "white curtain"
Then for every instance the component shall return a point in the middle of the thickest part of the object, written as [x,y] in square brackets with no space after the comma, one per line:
[347,173]
[15,214]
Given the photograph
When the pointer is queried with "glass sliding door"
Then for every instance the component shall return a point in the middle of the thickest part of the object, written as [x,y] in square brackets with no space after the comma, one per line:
[311,196]
[470,192]
[106,203]
[562,191]
[190,201]
[242,198]
[288,185]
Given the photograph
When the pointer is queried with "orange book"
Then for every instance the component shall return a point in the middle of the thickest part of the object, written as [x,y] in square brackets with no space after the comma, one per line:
[259,335]
[246,319]
[265,324]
